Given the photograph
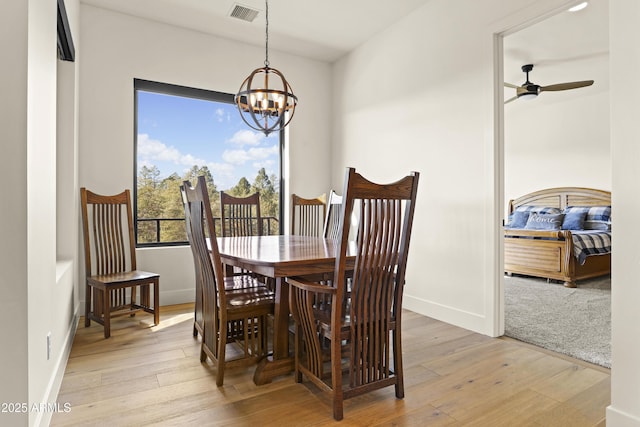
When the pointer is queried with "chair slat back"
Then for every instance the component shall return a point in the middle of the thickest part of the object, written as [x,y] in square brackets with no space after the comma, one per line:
[107,223]
[189,197]
[204,246]
[240,215]
[385,216]
[308,215]
[332,220]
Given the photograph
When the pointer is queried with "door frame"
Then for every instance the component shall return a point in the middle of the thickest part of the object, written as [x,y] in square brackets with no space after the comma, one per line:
[537,12]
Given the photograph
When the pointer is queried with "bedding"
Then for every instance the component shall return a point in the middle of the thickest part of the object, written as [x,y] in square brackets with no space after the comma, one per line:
[590,242]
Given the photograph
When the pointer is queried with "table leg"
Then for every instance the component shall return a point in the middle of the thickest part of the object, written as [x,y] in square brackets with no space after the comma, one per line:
[281,363]
[281,320]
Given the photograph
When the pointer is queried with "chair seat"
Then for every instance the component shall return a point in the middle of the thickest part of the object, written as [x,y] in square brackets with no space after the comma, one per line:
[250,297]
[125,276]
[323,317]
[242,282]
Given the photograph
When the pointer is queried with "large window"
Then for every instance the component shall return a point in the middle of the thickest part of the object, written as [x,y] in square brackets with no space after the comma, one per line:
[181,133]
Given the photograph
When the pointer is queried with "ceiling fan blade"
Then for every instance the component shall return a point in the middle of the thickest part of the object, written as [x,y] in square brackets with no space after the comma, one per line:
[511,85]
[566,86]
[511,99]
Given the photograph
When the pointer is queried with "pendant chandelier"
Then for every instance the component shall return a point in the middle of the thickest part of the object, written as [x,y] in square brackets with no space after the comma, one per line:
[265,100]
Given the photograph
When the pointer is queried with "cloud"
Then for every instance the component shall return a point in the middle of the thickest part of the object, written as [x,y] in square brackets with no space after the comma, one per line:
[152,149]
[221,116]
[240,157]
[246,137]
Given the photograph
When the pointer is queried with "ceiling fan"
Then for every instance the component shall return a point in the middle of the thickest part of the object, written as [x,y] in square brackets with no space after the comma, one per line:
[530,90]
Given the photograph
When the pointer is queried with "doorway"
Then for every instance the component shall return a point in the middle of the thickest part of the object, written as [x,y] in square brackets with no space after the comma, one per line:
[556,139]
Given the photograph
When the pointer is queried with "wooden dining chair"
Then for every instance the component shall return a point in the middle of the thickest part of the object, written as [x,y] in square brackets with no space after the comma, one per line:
[364,336]
[240,215]
[234,308]
[112,277]
[198,322]
[308,215]
[332,220]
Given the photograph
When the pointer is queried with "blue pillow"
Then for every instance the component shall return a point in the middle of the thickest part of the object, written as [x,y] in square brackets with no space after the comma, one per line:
[529,209]
[537,209]
[538,221]
[518,219]
[599,213]
[574,220]
[597,217]
[597,225]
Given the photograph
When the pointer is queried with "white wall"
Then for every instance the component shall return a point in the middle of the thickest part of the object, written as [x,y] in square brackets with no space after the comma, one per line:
[560,139]
[558,144]
[32,304]
[13,221]
[431,111]
[118,48]
[625,148]
[64,297]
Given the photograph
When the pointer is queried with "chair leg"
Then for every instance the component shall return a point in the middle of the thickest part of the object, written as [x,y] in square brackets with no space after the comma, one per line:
[397,362]
[221,352]
[264,330]
[87,305]
[337,406]
[133,297]
[156,302]
[106,312]
[297,375]
[203,354]
[336,380]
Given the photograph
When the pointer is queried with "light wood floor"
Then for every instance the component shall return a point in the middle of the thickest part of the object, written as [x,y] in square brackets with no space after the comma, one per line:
[152,375]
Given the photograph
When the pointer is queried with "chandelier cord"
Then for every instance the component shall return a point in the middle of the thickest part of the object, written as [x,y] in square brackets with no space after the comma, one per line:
[266,38]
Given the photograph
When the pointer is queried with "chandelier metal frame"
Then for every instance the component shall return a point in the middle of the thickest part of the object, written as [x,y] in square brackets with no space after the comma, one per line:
[268,107]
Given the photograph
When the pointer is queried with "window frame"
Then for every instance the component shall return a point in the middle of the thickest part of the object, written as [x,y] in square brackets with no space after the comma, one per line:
[196,93]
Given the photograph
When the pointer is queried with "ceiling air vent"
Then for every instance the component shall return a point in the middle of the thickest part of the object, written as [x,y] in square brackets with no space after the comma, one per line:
[243,12]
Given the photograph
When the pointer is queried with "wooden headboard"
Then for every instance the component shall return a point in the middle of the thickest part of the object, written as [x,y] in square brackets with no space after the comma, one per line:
[562,197]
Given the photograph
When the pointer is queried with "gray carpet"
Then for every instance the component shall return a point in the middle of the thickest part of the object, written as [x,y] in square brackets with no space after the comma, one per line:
[575,322]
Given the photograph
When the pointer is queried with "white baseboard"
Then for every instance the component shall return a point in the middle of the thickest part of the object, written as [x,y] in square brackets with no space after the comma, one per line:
[463,319]
[616,418]
[179,296]
[53,387]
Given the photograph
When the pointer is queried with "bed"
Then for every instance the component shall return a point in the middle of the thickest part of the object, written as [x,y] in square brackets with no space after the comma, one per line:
[545,237]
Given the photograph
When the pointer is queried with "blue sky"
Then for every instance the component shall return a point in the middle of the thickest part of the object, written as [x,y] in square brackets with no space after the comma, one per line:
[175,133]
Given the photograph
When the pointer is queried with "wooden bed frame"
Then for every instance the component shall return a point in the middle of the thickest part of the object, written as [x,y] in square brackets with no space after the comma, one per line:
[552,257]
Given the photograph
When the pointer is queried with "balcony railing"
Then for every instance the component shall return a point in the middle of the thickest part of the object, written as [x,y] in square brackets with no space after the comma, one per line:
[270,225]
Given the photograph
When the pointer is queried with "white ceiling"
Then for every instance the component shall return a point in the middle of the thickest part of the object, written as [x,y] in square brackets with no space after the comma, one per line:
[320,29]
[569,46]
[562,47]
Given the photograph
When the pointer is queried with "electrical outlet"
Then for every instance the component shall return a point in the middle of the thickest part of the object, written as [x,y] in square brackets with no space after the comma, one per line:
[48,345]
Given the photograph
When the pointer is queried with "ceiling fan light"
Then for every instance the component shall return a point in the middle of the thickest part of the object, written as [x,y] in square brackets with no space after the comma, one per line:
[528,96]
[578,7]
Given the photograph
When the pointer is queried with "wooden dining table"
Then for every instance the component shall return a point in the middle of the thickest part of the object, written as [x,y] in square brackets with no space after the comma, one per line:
[278,257]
